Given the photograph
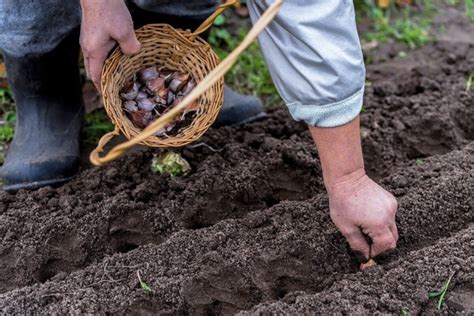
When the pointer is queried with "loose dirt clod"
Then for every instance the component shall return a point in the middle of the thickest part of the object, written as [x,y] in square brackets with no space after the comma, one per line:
[154,91]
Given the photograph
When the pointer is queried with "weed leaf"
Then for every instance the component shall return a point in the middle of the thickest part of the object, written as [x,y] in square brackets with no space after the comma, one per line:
[441,293]
[145,286]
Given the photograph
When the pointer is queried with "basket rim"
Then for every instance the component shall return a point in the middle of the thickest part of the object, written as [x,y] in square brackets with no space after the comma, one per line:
[187,37]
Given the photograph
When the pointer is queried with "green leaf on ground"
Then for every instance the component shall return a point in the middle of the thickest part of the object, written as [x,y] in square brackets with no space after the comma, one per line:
[469,83]
[170,162]
[404,311]
[143,285]
[441,293]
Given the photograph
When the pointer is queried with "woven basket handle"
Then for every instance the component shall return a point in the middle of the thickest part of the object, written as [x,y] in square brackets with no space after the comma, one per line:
[207,82]
[210,20]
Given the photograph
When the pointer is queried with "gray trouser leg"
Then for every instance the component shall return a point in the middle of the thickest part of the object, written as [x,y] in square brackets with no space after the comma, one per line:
[313,52]
[36,27]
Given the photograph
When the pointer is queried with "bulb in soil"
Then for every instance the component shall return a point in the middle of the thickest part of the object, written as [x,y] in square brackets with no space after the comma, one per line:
[369,264]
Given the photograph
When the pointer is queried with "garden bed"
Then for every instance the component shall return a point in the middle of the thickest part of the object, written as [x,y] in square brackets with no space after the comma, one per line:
[249,229]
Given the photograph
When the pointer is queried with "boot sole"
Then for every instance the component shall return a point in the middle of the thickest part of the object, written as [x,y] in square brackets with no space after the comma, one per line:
[36,185]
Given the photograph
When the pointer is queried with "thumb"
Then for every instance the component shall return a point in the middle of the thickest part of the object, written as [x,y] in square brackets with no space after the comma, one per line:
[359,244]
[129,44]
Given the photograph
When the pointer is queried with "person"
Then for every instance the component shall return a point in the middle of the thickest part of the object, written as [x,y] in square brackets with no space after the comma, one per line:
[313,53]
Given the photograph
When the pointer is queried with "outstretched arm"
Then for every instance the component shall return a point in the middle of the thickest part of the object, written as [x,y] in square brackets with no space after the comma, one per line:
[358,205]
[313,53]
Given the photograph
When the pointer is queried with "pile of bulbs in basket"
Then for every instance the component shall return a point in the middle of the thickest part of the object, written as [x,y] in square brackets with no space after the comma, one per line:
[152,92]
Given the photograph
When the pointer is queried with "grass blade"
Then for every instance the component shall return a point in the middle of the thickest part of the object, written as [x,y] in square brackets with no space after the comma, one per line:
[469,83]
[143,285]
[441,293]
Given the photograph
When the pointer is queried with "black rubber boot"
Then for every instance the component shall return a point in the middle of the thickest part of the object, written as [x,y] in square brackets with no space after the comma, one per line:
[49,107]
[238,109]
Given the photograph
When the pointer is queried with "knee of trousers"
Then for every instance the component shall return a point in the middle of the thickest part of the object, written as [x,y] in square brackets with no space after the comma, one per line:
[36,27]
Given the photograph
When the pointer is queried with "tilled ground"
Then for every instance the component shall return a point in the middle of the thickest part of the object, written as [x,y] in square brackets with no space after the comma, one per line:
[249,231]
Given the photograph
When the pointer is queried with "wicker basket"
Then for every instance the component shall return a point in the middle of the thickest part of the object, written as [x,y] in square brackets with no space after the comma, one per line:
[162,45]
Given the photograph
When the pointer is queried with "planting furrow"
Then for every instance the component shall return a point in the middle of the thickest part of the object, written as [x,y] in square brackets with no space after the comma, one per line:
[400,287]
[123,206]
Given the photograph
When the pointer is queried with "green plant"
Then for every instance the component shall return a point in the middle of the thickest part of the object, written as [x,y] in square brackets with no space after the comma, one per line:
[396,23]
[170,162]
[7,127]
[6,100]
[3,150]
[469,83]
[95,125]
[441,294]
[220,20]
[402,54]
[7,130]
[143,285]
[469,7]
[404,311]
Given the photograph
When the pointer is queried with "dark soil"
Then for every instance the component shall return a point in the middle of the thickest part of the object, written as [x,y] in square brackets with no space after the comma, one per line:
[248,230]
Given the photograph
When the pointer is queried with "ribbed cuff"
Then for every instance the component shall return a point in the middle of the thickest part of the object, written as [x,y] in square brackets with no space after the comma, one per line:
[329,115]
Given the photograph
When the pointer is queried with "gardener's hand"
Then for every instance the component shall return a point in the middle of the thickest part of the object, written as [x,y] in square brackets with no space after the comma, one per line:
[104,24]
[358,207]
